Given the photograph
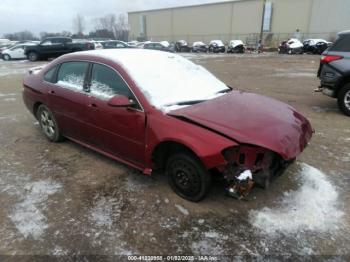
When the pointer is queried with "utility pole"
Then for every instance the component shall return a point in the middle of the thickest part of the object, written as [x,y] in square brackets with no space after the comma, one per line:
[262,24]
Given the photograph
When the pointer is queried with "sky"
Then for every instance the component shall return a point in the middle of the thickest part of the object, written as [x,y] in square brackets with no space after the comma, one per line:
[57,15]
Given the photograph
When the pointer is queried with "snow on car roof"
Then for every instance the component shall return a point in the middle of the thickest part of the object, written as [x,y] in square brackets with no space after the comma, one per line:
[164,78]
[218,42]
[198,43]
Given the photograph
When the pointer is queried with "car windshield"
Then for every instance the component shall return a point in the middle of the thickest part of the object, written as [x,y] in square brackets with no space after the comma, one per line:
[169,79]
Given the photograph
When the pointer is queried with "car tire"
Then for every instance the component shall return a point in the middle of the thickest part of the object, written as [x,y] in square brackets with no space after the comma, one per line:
[187,176]
[48,124]
[344,99]
[33,56]
[6,57]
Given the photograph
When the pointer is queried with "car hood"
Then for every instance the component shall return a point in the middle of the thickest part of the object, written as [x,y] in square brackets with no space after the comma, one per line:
[250,118]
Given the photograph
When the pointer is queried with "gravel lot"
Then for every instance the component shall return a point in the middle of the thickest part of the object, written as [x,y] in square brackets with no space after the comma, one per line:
[63,199]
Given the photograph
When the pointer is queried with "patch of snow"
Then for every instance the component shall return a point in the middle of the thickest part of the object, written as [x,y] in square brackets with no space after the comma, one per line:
[295,74]
[313,207]
[27,215]
[210,243]
[105,211]
[212,234]
[10,99]
[182,209]
[245,175]
[319,109]
[169,80]
[101,90]
[201,221]
[8,94]
[72,82]
[169,222]
[11,118]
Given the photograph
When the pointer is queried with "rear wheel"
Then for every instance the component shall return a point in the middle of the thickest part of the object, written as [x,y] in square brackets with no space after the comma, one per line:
[6,57]
[33,56]
[188,177]
[48,124]
[344,99]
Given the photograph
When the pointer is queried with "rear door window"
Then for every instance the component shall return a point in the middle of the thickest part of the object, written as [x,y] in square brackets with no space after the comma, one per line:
[342,44]
[71,75]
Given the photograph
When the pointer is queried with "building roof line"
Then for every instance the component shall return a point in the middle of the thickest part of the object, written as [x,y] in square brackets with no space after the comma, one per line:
[187,6]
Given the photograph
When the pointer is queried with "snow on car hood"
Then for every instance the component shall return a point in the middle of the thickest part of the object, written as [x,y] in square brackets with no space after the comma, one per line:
[253,119]
[234,43]
[165,78]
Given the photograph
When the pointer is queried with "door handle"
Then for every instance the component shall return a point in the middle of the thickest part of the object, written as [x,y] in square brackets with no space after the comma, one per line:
[52,92]
[93,105]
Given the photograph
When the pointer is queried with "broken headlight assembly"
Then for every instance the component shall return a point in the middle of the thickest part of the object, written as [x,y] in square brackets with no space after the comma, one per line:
[246,165]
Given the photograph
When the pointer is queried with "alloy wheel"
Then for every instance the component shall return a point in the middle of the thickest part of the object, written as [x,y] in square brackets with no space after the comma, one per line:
[47,124]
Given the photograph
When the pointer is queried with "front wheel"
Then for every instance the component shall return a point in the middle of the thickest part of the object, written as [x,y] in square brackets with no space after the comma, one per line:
[344,99]
[48,124]
[6,57]
[33,56]
[188,177]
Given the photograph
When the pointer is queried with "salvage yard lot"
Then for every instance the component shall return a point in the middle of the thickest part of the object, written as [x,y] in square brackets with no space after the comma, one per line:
[63,199]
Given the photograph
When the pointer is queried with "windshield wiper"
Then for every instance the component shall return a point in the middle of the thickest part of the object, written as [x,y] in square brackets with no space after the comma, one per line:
[224,91]
[186,103]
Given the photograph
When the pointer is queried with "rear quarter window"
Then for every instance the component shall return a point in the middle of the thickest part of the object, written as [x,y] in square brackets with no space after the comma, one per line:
[342,44]
[49,75]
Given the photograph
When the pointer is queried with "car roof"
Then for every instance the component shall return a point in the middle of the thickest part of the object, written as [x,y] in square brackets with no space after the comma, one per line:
[347,32]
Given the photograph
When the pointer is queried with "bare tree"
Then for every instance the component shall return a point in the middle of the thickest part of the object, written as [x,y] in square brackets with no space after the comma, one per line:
[78,24]
[21,36]
[115,25]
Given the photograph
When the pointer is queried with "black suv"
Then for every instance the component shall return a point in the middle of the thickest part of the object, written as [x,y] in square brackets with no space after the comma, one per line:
[334,71]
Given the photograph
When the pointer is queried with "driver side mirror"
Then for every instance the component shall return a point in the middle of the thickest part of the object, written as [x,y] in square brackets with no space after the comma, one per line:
[120,101]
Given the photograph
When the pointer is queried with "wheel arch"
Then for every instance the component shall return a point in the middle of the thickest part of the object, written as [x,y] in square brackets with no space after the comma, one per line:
[163,150]
[344,81]
[36,107]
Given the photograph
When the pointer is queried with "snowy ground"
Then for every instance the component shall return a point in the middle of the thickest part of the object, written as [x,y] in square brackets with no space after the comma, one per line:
[62,199]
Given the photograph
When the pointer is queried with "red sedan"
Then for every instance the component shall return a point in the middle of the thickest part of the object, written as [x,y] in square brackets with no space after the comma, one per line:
[156,110]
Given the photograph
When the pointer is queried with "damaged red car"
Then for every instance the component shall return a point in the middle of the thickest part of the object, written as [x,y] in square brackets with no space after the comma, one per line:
[154,110]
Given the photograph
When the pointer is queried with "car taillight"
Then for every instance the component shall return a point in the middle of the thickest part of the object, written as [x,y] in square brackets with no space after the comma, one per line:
[330,58]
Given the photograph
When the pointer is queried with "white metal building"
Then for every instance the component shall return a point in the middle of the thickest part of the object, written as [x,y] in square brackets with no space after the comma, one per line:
[242,19]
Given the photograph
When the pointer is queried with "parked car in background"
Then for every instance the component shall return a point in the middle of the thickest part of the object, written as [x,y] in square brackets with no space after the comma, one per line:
[54,47]
[158,111]
[217,46]
[236,46]
[133,43]
[199,47]
[97,44]
[115,44]
[158,46]
[182,46]
[334,72]
[315,46]
[4,44]
[15,52]
[291,46]
[141,44]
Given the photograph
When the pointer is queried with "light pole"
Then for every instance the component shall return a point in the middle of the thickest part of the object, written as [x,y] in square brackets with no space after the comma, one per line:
[262,24]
